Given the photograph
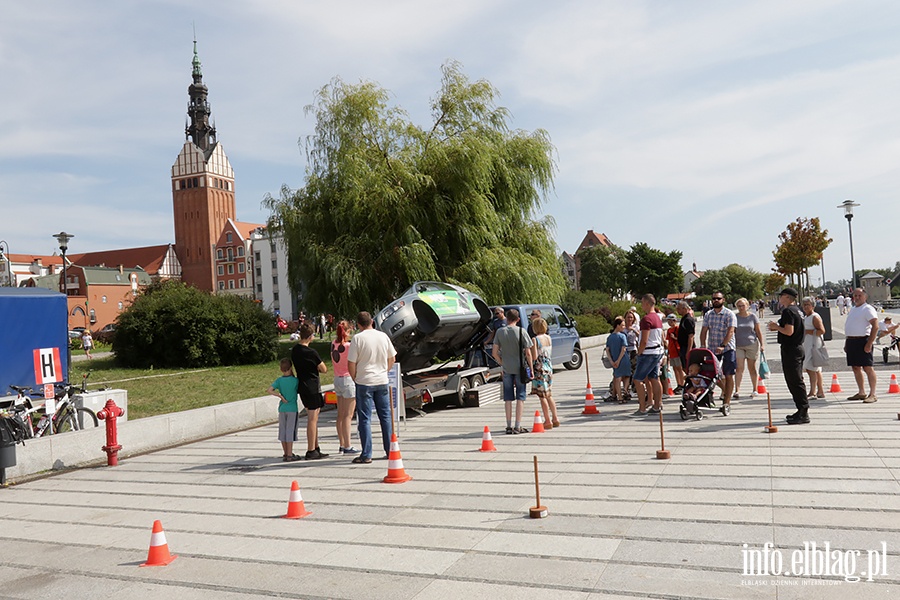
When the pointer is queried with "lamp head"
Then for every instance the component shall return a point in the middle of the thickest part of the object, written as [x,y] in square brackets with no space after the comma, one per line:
[63,239]
[848,205]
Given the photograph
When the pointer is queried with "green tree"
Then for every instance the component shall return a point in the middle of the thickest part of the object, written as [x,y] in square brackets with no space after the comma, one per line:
[800,247]
[774,282]
[653,271]
[171,324]
[734,281]
[602,269]
[386,203]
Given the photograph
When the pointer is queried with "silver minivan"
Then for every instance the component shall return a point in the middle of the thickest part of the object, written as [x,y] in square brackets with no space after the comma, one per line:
[566,342]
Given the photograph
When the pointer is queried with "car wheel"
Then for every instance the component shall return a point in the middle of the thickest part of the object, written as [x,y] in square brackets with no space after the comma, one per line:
[464,386]
[577,358]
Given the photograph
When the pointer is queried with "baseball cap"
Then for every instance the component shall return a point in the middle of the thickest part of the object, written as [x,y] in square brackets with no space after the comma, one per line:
[789,291]
[671,317]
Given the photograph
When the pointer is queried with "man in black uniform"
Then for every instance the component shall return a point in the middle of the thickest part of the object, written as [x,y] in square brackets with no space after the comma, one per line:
[790,336]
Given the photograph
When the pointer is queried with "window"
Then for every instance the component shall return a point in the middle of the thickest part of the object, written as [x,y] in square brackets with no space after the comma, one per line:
[256,256]
[274,265]
[240,267]
[258,272]
[230,251]
[231,269]
[219,253]
[275,280]
[275,296]
[231,284]
[121,306]
[221,270]
[240,250]
[196,182]
[221,285]
[259,288]
[228,239]
[241,283]
[103,299]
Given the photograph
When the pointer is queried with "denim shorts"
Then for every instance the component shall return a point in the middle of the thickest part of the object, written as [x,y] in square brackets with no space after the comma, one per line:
[647,367]
[513,388]
[344,387]
[729,362]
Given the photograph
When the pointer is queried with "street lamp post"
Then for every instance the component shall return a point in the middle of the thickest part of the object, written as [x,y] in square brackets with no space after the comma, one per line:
[5,256]
[63,239]
[848,205]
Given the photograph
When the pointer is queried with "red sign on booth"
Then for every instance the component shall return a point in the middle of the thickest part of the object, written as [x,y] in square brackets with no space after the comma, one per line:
[47,366]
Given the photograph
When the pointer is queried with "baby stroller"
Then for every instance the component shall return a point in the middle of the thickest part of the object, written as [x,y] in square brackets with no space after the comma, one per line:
[692,400]
[886,351]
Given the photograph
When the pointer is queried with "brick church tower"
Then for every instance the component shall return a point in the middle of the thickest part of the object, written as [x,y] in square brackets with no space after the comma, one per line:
[202,190]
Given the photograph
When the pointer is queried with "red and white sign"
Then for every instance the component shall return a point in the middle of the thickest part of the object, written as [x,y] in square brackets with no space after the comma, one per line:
[47,366]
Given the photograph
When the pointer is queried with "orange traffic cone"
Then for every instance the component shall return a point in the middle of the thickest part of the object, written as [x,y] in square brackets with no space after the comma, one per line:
[296,508]
[760,386]
[538,423]
[159,550]
[487,443]
[894,388]
[396,474]
[835,385]
[670,391]
[589,407]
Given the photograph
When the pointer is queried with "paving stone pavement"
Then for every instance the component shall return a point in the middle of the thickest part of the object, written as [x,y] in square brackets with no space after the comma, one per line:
[621,523]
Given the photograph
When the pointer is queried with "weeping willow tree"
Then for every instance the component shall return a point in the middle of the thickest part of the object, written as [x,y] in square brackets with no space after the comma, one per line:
[386,202]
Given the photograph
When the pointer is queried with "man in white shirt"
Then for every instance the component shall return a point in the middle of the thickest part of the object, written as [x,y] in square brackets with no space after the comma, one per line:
[840,304]
[370,358]
[886,328]
[861,328]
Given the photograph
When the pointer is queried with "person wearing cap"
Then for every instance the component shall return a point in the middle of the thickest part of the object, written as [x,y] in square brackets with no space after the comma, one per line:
[790,336]
[861,329]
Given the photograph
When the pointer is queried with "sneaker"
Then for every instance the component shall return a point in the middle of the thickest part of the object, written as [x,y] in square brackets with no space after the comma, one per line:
[870,399]
[666,396]
[752,395]
[653,411]
[735,396]
[639,413]
[350,450]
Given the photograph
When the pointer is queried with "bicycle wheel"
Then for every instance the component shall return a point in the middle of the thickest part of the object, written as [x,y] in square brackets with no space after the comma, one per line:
[65,422]
[87,419]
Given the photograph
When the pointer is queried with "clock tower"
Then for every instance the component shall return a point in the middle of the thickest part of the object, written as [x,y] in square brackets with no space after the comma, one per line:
[202,190]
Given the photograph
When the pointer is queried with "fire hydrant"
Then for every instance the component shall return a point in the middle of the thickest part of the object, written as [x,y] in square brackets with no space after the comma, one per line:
[110,413]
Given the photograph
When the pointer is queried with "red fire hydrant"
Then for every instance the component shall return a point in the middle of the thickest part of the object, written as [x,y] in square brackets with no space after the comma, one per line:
[110,413]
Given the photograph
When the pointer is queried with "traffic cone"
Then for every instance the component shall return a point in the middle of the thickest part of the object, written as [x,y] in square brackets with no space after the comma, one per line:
[487,443]
[159,550]
[894,388]
[396,474]
[296,508]
[538,423]
[835,386]
[670,391]
[760,386]
[589,407]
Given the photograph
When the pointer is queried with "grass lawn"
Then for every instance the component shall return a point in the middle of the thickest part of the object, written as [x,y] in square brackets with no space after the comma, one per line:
[161,391]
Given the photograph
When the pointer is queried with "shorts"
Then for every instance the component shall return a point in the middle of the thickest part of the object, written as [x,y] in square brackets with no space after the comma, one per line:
[675,361]
[729,362]
[856,352]
[647,367]
[288,424]
[314,402]
[748,352]
[513,388]
[344,387]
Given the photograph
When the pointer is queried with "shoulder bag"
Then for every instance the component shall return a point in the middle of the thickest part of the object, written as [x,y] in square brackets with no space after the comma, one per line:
[819,353]
[524,368]
[763,365]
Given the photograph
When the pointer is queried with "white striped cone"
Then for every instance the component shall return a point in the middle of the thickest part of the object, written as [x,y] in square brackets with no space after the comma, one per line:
[158,556]
[296,508]
[396,474]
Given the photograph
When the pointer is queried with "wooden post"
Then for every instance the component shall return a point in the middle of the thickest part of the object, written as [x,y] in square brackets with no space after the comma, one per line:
[770,428]
[662,453]
[537,511]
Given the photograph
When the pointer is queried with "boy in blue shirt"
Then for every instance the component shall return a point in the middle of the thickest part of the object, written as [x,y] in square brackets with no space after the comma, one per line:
[285,387]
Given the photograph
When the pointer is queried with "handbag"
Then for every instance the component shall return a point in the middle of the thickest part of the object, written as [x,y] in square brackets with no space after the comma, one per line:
[764,370]
[524,369]
[820,354]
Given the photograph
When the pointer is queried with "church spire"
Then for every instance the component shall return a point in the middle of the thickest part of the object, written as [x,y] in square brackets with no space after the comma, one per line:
[199,129]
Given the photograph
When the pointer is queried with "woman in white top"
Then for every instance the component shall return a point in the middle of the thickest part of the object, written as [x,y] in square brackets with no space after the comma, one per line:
[813,330]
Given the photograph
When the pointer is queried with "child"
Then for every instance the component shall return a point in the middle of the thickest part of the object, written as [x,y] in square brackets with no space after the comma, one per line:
[616,345]
[285,387]
[309,365]
[694,385]
[674,350]
[87,342]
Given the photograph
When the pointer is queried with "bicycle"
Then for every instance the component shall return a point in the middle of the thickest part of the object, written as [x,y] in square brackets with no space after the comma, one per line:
[66,418]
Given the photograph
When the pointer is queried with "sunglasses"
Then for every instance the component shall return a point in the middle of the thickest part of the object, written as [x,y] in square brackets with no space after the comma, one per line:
[714,299]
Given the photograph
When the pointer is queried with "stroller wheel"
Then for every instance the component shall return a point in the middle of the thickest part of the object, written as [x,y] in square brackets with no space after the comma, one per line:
[683,413]
[726,410]
[699,415]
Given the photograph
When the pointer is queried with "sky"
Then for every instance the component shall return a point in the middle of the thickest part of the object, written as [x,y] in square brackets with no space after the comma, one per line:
[699,126]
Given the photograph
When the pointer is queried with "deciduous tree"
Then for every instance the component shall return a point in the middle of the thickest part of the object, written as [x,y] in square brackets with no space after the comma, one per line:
[653,271]
[800,247]
[602,269]
[386,202]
